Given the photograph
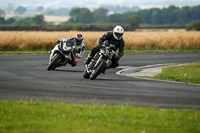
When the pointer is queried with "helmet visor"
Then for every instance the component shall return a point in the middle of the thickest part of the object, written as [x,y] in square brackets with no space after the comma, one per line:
[78,42]
[118,35]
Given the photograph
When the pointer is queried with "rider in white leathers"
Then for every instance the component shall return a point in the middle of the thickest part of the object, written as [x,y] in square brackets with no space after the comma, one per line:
[78,46]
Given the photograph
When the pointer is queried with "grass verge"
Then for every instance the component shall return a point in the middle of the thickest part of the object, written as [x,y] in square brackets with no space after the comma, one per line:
[21,116]
[189,73]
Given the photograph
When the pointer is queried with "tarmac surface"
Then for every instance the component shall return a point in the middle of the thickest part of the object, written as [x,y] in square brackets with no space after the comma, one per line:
[25,77]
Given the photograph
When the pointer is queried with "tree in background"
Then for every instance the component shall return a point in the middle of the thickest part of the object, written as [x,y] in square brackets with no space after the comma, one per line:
[10,21]
[38,19]
[134,21]
[195,13]
[170,15]
[156,16]
[2,20]
[100,15]
[145,15]
[194,26]
[2,13]
[81,15]
[116,18]
[20,10]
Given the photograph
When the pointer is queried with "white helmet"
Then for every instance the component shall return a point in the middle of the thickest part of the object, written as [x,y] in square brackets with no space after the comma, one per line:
[118,32]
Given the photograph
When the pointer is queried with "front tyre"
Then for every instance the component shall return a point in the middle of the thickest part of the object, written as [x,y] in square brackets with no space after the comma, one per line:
[86,75]
[100,67]
[55,60]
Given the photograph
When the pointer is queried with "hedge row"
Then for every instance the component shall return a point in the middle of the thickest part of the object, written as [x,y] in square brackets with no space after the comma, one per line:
[81,27]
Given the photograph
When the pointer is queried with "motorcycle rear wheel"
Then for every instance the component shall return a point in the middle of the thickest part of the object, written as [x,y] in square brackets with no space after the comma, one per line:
[100,67]
[54,61]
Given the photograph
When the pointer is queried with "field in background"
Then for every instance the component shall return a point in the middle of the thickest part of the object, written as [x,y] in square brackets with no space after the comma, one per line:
[55,19]
[164,40]
[47,18]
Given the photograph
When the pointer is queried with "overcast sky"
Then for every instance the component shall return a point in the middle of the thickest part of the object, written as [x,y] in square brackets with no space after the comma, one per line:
[97,3]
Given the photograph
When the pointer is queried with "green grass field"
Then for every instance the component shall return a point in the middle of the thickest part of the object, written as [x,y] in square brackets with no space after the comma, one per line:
[187,73]
[35,117]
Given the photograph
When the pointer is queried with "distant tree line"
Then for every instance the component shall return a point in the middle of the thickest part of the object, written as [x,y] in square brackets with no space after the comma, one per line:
[101,19]
[36,20]
[193,26]
[61,27]
[155,16]
[170,15]
[101,15]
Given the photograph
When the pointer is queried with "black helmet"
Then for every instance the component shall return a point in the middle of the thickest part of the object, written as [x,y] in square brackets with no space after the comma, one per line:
[78,39]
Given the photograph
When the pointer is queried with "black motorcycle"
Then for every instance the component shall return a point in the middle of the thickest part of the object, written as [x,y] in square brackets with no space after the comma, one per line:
[60,55]
[101,61]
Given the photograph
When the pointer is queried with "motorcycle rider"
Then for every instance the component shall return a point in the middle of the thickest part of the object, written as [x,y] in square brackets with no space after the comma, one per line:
[78,47]
[116,38]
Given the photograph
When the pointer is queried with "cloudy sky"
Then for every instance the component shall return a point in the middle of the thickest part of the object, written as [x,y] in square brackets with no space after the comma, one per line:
[97,3]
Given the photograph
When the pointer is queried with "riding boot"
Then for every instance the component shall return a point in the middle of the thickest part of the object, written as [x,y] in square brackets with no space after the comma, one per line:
[92,54]
[88,59]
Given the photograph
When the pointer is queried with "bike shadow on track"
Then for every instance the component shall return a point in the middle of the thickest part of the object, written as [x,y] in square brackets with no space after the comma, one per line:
[107,79]
[60,70]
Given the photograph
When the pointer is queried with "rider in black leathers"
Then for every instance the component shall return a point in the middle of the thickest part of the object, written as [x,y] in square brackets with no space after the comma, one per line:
[115,38]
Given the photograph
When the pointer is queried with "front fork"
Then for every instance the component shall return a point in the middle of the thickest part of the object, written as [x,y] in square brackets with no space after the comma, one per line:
[56,50]
[100,57]
[52,53]
[93,64]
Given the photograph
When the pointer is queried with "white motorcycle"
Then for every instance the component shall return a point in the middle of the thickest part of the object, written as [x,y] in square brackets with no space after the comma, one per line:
[60,55]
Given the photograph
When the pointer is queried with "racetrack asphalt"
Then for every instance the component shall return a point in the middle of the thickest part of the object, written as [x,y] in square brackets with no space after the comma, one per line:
[26,77]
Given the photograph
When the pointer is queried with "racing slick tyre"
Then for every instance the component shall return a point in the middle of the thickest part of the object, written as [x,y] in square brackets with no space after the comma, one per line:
[55,60]
[86,75]
[99,68]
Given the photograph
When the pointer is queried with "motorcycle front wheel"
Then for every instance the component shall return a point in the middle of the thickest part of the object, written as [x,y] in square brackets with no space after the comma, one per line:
[86,75]
[54,61]
[100,67]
